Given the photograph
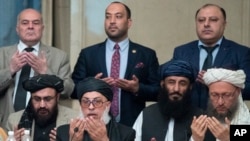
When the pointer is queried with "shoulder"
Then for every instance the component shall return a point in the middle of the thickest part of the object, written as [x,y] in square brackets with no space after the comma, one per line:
[125,131]
[141,47]
[93,47]
[68,111]
[187,45]
[234,45]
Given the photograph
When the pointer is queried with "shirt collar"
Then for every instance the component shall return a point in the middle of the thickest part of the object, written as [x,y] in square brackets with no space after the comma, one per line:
[123,44]
[21,46]
[217,43]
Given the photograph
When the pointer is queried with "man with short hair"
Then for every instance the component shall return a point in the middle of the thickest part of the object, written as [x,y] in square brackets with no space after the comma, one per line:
[171,117]
[42,114]
[29,57]
[213,50]
[225,105]
[96,124]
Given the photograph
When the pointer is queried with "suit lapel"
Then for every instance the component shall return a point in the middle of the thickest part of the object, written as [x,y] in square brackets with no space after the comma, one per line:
[195,59]
[132,57]
[101,53]
[222,53]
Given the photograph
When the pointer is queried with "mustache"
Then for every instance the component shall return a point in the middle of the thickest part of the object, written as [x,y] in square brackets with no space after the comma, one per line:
[175,93]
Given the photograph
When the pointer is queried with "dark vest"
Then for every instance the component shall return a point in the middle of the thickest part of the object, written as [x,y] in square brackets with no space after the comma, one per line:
[156,125]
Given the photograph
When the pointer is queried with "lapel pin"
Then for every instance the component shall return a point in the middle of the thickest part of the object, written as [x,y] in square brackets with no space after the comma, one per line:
[134,51]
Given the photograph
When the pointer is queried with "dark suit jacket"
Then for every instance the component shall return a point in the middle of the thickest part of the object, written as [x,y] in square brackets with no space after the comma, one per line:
[115,131]
[230,55]
[92,61]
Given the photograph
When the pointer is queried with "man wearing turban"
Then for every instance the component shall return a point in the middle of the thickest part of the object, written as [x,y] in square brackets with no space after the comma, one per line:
[225,105]
[171,117]
[42,114]
[95,97]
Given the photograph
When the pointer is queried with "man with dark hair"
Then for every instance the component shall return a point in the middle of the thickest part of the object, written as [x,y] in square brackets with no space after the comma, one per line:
[171,117]
[96,124]
[130,68]
[42,114]
[213,50]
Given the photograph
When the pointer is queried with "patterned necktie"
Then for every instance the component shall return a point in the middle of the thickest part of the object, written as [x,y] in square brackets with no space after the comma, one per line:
[208,63]
[115,71]
[20,99]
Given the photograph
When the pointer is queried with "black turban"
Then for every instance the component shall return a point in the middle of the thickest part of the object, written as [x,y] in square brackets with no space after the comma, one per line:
[41,81]
[177,68]
[91,84]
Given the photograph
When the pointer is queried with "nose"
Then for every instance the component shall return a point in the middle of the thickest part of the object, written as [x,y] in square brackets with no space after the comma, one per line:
[112,19]
[91,106]
[30,25]
[42,103]
[207,23]
[176,87]
[221,101]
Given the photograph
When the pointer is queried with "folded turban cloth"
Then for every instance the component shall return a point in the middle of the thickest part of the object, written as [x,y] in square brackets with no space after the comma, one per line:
[236,78]
[177,68]
[91,84]
[42,81]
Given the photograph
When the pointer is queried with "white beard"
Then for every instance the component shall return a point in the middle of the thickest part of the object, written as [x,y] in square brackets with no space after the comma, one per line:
[105,115]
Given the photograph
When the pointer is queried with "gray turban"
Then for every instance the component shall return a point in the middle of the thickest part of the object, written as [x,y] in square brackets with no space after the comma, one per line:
[42,81]
[236,78]
[177,68]
[91,84]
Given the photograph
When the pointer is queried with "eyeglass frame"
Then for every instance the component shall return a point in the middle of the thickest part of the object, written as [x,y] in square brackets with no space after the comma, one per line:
[93,102]
[225,97]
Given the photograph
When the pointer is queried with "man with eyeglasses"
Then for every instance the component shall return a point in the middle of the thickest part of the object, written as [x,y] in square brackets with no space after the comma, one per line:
[96,123]
[43,114]
[225,105]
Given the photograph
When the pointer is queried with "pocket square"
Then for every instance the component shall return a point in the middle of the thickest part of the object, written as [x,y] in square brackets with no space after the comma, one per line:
[139,65]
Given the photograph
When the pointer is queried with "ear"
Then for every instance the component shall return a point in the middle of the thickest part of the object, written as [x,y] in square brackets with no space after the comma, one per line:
[162,83]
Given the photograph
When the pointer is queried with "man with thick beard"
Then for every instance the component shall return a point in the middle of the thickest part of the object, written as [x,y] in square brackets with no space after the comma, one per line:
[96,124]
[225,105]
[171,117]
[42,114]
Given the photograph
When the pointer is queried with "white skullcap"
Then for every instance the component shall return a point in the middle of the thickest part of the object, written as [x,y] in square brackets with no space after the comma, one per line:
[236,78]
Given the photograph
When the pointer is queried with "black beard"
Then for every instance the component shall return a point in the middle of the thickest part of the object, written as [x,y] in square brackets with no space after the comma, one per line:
[175,109]
[211,111]
[43,121]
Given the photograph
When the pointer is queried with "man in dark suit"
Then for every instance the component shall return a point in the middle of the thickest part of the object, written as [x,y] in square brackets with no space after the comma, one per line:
[138,79]
[210,24]
[96,123]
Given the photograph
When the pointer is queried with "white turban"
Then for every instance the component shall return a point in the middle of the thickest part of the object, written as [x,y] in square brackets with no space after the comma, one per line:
[236,78]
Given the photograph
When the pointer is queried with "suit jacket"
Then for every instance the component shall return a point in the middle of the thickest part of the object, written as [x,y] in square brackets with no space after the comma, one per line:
[65,114]
[142,62]
[115,132]
[58,64]
[230,55]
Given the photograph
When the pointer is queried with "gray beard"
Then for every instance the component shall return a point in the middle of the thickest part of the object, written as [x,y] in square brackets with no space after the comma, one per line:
[105,116]
[211,111]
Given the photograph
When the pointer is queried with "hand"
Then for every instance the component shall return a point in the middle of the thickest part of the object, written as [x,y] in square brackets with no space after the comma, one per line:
[96,129]
[129,85]
[219,130]
[76,135]
[199,127]
[200,76]
[18,60]
[18,133]
[153,139]
[52,135]
[38,63]
[109,80]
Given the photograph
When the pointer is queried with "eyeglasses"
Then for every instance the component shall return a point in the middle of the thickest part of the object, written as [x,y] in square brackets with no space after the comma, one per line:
[96,102]
[225,97]
[46,99]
